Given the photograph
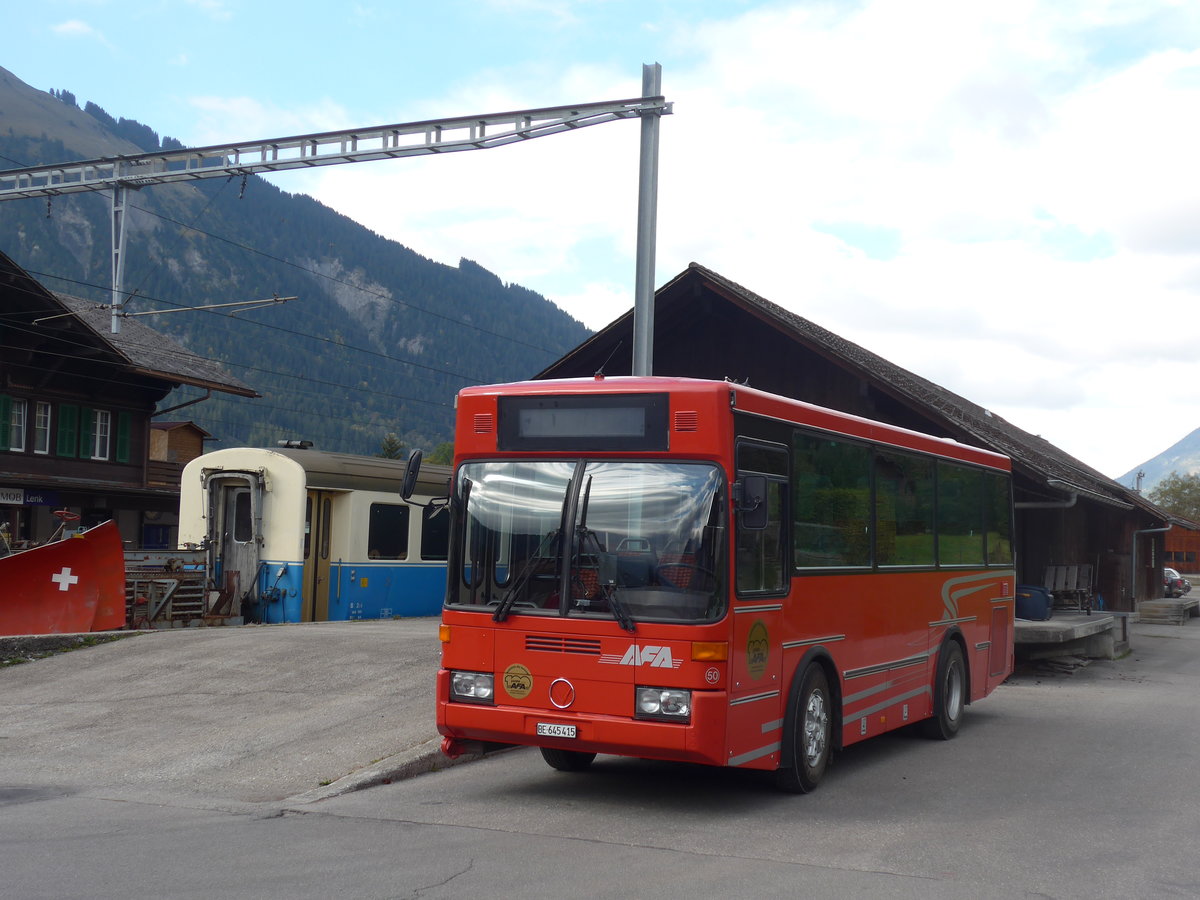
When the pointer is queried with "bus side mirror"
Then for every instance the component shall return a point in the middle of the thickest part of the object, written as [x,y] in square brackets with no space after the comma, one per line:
[752,502]
[411,471]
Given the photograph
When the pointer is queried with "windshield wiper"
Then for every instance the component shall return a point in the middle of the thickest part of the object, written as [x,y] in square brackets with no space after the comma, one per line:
[620,613]
[519,583]
[510,596]
[609,590]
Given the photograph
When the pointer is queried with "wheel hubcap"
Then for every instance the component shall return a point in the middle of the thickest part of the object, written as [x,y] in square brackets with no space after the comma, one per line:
[816,728]
[954,692]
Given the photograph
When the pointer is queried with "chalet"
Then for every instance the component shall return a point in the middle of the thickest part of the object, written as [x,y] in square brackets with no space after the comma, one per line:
[1069,517]
[76,416]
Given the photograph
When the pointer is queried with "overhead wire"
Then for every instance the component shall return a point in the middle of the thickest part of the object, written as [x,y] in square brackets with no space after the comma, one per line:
[340,344]
[386,297]
[132,367]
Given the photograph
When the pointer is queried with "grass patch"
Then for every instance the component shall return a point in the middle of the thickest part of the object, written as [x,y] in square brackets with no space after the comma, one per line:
[17,650]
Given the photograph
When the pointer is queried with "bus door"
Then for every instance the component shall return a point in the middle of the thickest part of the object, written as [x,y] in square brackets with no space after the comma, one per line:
[758,684]
[234,537]
[318,535]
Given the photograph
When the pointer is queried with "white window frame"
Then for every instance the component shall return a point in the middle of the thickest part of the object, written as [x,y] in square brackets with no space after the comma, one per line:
[101,433]
[41,427]
[16,425]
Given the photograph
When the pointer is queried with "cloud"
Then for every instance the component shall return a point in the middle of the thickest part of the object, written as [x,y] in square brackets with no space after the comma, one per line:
[999,197]
[224,119]
[217,10]
[77,28]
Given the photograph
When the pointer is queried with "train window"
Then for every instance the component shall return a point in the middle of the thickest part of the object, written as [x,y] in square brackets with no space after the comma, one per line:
[387,533]
[308,516]
[243,526]
[326,531]
[435,532]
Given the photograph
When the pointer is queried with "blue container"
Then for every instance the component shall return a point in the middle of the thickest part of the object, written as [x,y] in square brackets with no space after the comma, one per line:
[1034,603]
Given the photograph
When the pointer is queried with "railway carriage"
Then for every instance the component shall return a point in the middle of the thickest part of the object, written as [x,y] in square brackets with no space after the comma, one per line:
[302,535]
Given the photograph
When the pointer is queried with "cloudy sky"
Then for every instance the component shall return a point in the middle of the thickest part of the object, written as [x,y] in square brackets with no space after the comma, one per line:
[1001,197]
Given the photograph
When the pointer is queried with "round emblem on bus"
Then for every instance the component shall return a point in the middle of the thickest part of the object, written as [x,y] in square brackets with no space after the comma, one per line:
[713,675]
[562,693]
[517,681]
[758,646]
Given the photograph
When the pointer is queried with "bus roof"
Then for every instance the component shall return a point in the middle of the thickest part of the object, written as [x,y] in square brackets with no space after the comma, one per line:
[752,401]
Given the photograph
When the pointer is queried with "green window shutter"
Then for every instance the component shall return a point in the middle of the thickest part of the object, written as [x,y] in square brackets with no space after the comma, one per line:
[86,421]
[123,429]
[5,420]
[68,430]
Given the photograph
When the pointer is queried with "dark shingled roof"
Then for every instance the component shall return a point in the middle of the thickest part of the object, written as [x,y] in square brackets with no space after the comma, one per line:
[150,353]
[1042,461]
[138,346]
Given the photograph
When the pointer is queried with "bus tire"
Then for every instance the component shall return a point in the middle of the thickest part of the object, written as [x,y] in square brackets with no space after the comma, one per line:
[949,693]
[567,760]
[811,741]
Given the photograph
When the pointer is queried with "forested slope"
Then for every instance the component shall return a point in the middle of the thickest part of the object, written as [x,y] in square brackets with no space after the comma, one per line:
[378,341]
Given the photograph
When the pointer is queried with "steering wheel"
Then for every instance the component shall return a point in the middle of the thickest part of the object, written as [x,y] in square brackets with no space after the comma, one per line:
[65,515]
[663,579]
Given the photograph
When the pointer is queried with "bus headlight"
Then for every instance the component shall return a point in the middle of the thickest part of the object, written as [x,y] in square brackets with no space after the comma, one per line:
[472,687]
[668,704]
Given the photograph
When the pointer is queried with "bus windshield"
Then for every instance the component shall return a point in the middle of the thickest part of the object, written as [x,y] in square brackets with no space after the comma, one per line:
[625,540]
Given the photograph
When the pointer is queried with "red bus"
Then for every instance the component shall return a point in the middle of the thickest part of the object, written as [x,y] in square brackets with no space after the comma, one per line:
[703,572]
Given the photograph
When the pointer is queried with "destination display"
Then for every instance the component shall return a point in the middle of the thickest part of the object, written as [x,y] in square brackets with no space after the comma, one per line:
[600,422]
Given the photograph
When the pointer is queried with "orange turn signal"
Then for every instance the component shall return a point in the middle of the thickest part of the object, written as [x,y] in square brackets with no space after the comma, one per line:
[444,634]
[710,651]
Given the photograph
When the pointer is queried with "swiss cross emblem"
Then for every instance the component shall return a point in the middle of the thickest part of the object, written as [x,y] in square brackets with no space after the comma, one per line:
[65,579]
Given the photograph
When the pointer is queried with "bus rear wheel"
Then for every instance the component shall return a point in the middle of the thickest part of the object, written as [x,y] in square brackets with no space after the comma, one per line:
[812,734]
[567,760]
[949,694]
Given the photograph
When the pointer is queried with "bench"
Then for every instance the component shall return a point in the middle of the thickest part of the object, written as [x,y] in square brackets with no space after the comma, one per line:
[1070,586]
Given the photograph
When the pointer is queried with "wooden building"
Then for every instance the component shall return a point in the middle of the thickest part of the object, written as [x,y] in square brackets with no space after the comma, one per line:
[1181,546]
[1067,514]
[177,444]
[76,408]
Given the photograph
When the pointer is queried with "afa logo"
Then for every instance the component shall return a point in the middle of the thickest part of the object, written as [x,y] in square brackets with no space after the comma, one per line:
[649,655]
[758,648]
[517,681]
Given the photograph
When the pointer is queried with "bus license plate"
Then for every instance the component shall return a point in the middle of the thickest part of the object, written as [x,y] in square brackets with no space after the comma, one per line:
[553,729]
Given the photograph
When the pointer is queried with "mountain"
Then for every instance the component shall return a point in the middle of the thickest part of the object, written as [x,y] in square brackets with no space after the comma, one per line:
[378,341]
[1182,457]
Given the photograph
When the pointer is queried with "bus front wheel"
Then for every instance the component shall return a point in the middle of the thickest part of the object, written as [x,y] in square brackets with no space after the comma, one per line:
[949,693]
[567,760]
[812,734]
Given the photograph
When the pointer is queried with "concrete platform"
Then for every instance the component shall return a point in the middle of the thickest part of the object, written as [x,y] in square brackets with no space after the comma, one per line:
[1169,610]
[1095,636]
[251,714]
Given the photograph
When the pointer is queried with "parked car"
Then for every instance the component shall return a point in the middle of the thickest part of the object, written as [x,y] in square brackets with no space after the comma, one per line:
[1174,584]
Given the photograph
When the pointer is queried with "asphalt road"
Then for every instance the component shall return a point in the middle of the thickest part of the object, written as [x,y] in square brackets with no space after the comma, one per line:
[183,765]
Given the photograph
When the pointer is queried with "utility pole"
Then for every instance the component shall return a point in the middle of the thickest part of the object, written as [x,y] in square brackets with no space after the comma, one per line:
[647,228]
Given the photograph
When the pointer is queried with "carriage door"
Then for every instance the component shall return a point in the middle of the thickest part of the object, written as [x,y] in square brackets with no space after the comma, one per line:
[234,537]
[318,519]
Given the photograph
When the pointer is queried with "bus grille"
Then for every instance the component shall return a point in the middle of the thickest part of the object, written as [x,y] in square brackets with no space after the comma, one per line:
[554,644]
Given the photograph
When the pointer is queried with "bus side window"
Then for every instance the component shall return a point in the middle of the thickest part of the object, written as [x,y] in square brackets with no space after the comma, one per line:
[761,551]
